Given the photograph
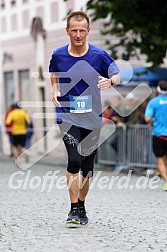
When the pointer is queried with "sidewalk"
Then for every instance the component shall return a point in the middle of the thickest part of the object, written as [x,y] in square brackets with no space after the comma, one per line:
[48,159]
[56,157]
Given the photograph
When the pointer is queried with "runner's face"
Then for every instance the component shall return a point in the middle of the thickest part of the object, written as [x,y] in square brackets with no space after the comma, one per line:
[78,31]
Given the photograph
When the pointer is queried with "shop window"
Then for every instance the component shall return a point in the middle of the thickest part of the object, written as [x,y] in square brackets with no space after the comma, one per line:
[9,89]
[24,85]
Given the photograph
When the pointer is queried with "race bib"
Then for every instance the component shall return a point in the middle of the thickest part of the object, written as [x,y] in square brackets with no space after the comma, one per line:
[80,104]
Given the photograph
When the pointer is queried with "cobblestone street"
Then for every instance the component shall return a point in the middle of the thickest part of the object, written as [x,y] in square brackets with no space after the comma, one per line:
[33,220]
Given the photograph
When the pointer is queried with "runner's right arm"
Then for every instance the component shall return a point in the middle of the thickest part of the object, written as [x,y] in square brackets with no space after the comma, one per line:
[56,93]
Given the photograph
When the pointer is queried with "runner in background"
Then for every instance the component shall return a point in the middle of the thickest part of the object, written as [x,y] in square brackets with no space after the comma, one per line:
[156,116]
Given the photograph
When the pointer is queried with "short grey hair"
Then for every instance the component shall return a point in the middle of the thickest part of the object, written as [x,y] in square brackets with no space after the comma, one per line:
[78,16]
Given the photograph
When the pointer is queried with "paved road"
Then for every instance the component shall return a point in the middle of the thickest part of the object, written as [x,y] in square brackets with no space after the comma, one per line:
[32,215]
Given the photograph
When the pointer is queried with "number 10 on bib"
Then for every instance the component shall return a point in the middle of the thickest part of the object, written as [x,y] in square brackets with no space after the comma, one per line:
[80,104]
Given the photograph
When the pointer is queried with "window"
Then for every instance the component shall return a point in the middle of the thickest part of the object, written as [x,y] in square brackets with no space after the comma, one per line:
[40,12]
[54,12]
[3,24]
[2,4]
[24,87]
[25,19]
[14,22]
[13,3]
[9,89]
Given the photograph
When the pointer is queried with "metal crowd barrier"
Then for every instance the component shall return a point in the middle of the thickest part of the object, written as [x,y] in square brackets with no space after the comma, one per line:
[128,146]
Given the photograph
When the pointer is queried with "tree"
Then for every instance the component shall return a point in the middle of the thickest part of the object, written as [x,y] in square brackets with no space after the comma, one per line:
[138,24]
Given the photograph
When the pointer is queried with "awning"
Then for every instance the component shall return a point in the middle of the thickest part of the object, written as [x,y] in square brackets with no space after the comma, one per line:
[149,75]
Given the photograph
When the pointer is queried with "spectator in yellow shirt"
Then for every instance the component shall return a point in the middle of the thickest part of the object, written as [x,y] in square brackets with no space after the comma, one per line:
[20,121]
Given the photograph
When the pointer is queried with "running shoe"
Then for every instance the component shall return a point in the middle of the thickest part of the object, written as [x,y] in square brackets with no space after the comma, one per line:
[73,217]
[165,187]
[82,215]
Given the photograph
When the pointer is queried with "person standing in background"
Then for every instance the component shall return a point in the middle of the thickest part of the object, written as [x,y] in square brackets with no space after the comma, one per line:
[20,120]
[30,132]
[156,116]
[9,129]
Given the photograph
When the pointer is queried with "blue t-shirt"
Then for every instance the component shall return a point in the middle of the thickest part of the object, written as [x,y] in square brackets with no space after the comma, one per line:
[78,78]
[157,110]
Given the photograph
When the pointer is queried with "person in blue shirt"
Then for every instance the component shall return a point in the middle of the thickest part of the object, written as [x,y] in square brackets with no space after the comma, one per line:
[79,71]
[156,115]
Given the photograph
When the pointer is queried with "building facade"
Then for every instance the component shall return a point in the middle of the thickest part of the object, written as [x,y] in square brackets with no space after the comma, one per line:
[29,31]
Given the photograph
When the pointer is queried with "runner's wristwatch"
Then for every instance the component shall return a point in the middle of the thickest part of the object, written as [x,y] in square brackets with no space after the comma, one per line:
[112,82]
